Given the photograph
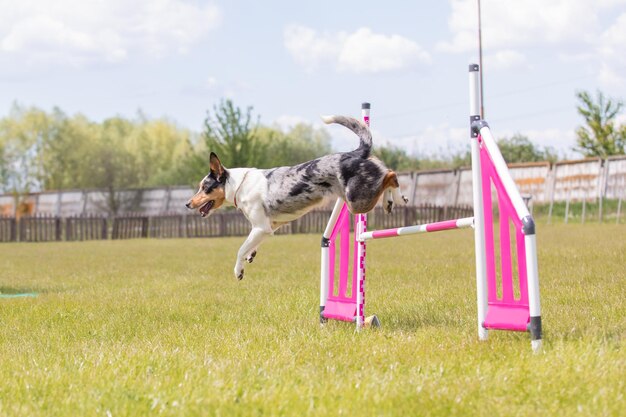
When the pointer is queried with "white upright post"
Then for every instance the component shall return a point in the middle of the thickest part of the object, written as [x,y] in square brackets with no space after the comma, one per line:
[361,227]
[477,194]
[534,307]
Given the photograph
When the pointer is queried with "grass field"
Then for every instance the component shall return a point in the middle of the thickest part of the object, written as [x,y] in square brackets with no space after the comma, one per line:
[161,327]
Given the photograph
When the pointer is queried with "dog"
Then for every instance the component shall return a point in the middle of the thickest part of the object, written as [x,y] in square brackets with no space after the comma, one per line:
[269,198]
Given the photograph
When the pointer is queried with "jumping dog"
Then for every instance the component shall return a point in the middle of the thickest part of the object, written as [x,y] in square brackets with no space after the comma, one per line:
[270,198]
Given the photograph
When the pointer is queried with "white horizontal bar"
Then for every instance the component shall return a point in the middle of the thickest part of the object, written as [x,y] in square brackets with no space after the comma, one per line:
[420,228]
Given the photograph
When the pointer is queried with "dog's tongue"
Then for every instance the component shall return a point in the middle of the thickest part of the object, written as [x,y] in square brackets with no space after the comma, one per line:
[204,210]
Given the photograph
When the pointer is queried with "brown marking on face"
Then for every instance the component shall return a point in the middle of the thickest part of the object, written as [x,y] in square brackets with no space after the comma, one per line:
[200,199]
[389,181]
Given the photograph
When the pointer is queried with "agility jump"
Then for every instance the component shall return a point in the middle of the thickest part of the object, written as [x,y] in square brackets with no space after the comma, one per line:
[495,312]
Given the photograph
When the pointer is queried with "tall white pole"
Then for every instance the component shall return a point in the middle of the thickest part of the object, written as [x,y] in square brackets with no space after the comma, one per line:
[361,227]
[477,194]
[480,62]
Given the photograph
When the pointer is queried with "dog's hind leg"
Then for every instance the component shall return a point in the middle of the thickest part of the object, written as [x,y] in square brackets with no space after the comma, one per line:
[256,236]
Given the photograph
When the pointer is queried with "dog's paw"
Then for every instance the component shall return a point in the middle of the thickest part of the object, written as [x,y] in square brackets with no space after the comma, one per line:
[406,200]
[389,207]
[250,257]
[239,272]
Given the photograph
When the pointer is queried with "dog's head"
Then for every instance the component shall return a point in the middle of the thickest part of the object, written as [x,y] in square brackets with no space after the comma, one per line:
[212,193]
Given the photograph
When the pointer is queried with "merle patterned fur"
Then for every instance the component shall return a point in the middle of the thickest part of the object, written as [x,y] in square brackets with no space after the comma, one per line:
[355,176]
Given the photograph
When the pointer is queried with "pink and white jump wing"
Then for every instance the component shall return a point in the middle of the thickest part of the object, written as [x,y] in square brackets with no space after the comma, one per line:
[504,311]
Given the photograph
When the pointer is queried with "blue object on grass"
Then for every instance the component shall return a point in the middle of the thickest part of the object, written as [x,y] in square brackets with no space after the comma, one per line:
[19,295]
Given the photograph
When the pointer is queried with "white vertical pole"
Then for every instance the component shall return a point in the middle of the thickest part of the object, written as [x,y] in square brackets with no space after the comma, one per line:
[324,276]
[361,228]
[619,209]
[534,307]
[477,194]
[584,209]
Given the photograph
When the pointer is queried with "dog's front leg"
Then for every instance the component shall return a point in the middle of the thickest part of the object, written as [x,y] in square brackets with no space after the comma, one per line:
[397,196]
[256,236]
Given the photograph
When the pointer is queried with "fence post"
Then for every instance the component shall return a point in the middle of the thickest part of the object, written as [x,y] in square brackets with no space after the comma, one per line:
[114,227]
[181,226]
[619,209]
[552,186]
[584,209]
[567,206]
[57,228]
[415,175]
[458,186]
[144,226]
[222,225]
[68,229]
[105,228]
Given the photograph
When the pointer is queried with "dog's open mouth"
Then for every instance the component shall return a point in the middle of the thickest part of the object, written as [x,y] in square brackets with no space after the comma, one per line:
[204,210]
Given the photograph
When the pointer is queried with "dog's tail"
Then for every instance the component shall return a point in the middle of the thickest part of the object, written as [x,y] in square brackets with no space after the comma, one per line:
[358,127]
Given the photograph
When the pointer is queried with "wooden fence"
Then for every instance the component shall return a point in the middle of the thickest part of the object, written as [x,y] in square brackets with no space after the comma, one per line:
[130,227]
[93,227]
[39,228]
[225,223]
[8,229]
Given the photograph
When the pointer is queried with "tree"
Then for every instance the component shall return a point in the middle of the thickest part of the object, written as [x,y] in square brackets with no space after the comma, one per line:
[396,158]
[158,147]
[520,149]
[300,143]
[22,134]
[230,133]
[66,151]
[601,137]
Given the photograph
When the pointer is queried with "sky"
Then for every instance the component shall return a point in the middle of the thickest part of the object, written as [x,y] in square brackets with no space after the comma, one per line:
[294,61]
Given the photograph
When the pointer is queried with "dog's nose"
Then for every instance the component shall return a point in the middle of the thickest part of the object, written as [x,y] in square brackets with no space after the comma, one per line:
[188,205]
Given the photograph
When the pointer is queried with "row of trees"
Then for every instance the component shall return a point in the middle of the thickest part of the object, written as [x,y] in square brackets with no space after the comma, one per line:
[49,151]
[41,150]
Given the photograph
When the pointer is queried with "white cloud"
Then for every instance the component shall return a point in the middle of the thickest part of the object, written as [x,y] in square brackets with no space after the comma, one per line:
[573,25]
[362,51]
[79,32]
[308,48]
[441,140]
[611,53]
[504,59]
[286,122]
[506,24]
[211,82]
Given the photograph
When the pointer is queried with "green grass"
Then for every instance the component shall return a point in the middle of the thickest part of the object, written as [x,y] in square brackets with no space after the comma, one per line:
[575,214]
[161,327]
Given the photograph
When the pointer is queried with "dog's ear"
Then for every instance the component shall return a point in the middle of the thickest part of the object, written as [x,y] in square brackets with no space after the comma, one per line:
[217,169]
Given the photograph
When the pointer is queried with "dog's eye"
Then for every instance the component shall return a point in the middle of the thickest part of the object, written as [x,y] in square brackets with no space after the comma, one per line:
[207,188]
